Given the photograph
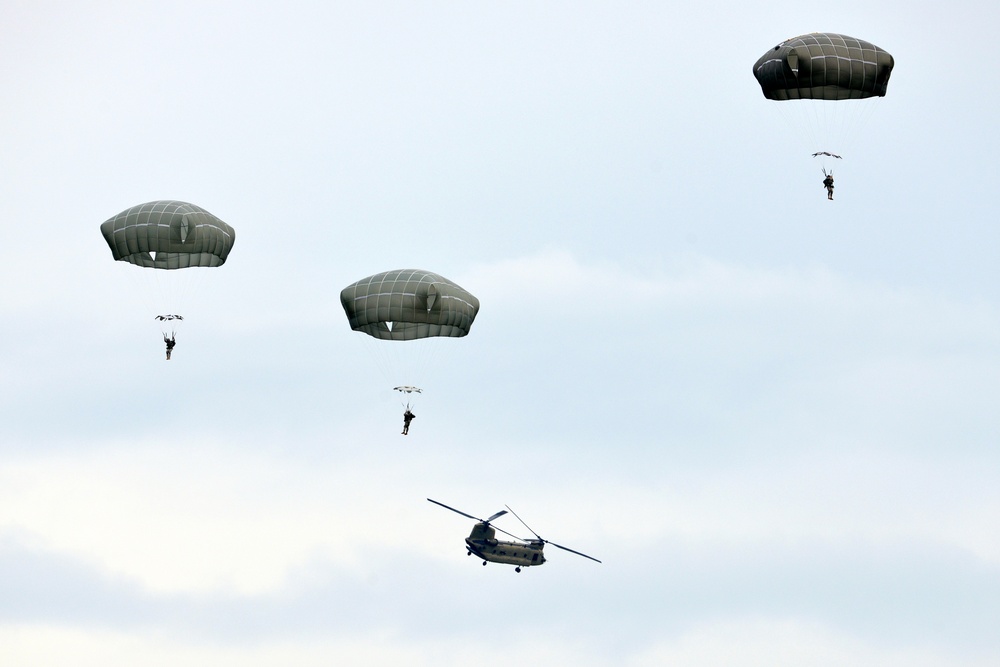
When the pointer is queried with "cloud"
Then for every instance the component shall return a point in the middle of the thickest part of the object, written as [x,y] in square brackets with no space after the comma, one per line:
[559,281]
[44,646]
[777,642]
[705,337]
[192,515]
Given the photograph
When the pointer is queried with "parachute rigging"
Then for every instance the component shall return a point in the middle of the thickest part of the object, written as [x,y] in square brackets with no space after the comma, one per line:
[827,86]
[168,235]
[403,311]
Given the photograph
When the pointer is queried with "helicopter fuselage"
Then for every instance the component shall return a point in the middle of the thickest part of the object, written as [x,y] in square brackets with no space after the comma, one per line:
[483,543]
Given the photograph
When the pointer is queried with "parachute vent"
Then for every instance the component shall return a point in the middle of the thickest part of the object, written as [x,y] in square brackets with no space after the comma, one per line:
[431,298]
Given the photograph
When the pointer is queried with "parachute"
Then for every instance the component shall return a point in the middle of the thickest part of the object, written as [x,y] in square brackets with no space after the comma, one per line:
[405,311]
[409,304]
[827,77]
[823,66]
[168,235]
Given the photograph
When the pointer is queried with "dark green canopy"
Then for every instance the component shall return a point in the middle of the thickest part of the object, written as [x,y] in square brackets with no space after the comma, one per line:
[409,304]
[168,235]
[823,66]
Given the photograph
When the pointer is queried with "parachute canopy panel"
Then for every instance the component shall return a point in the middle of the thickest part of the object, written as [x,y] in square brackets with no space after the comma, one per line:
[824,66]
[409,304]
[168,234]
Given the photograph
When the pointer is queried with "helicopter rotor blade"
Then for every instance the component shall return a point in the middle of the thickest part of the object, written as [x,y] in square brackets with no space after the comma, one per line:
[545,541]
[476,518]
[524,524]
[509,534]
[572,551]
[485,521]
[469,516]
[498,514]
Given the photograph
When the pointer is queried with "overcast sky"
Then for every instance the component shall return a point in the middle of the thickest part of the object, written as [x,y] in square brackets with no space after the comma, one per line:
[772,417]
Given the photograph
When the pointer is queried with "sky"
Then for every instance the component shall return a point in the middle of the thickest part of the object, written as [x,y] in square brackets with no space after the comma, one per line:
[772,417]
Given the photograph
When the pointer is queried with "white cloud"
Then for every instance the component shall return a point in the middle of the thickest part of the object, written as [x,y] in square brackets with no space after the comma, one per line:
[749,642]
[204,514]
[721,365]
[560,281]
[846,410]
[201,516]
[855,502]
[54,646]
[768,642]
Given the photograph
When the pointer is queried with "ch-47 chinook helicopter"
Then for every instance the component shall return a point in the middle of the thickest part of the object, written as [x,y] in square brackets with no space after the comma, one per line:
[523,553]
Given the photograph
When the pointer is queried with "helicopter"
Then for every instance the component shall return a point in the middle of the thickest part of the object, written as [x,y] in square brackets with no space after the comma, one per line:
[523,553]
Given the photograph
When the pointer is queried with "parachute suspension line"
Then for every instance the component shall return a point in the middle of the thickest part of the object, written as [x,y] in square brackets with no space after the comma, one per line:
[385,358]
[416,359]
[863,118]
[403,363]
[164,295]
[825,125]
[844,121]
[144,292]
[817,120]
[802,120]
[412,361]
[837,91]
[406,306]
[165,257]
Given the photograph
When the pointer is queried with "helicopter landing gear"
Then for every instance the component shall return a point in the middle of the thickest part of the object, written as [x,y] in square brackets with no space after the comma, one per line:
[517,569]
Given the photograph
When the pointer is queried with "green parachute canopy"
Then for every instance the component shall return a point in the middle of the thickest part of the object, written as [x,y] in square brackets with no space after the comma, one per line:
[824,66]
[409,304]
[168,234]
